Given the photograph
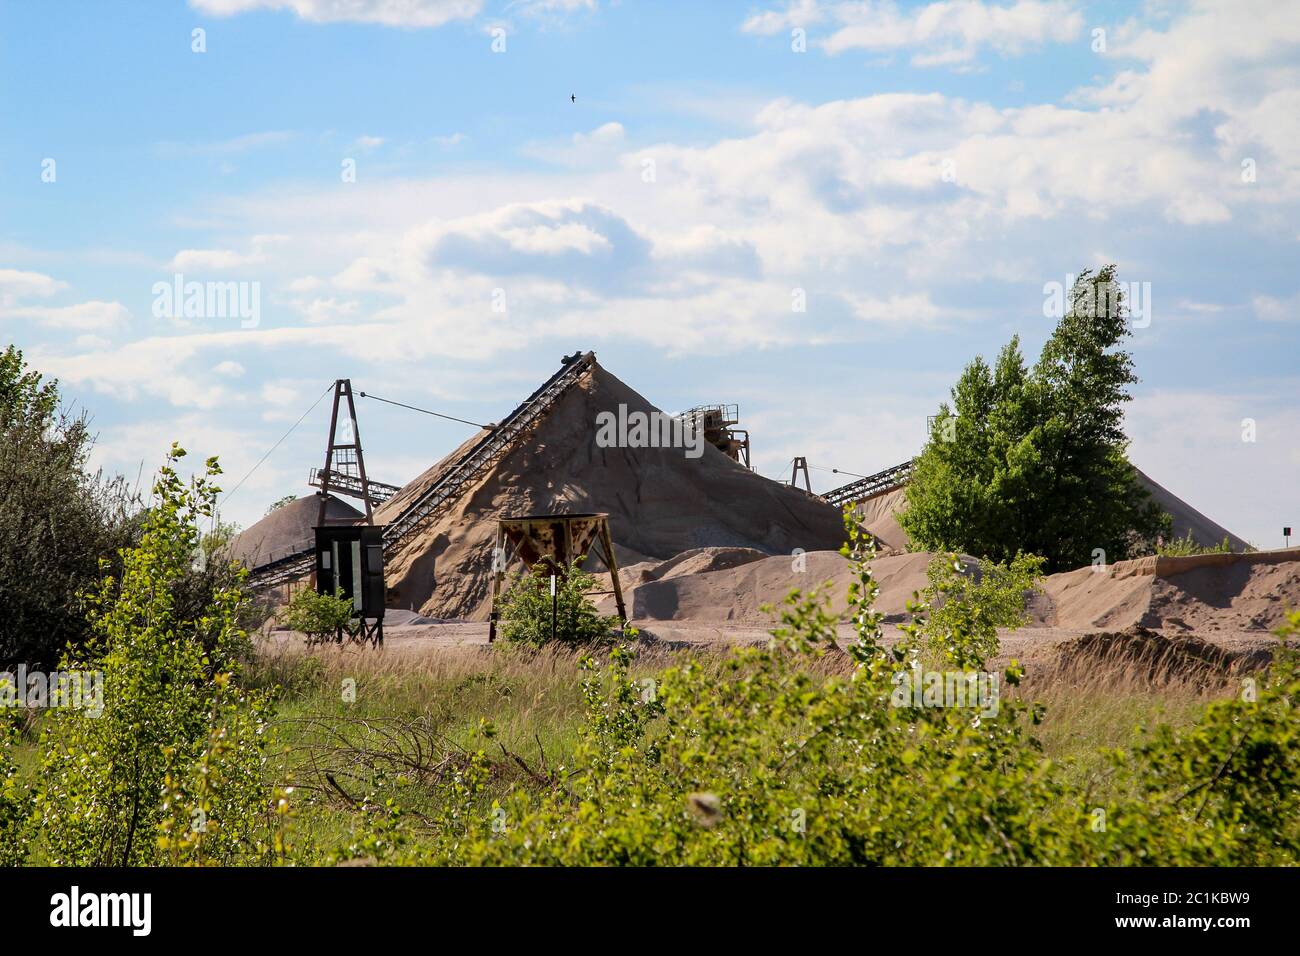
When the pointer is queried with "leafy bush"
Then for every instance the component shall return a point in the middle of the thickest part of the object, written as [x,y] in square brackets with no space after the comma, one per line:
[526,609]
[783,757]
[1185,546]
[967,606]
[177,745]
[319,616]
[15,800]
[56,521]
[1035,460]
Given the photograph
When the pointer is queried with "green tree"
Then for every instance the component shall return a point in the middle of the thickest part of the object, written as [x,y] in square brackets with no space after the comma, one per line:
[171,769]
[1035,459]
[280,503]
[56,520]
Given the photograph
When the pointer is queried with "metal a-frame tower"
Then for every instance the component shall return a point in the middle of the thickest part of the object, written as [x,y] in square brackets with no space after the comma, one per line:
[345,465]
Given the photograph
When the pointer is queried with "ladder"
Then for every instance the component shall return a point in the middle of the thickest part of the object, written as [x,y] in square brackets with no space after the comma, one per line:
[458,476]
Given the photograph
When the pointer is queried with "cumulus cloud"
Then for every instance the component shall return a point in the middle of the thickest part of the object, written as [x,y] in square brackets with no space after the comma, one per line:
[391,13]
[16,284]
[946,33]
[18,288]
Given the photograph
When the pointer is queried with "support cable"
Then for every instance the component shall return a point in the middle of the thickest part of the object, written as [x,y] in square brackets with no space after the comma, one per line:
[426,411]
[278,443]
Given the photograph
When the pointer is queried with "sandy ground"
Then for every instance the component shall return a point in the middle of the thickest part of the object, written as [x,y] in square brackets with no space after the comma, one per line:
[1025,644]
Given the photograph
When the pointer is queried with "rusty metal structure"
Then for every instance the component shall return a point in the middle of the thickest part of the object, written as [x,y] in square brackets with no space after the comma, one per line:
[555,540]
[800,464]
[345,464]
[492,445]
[718,424]
[347,557]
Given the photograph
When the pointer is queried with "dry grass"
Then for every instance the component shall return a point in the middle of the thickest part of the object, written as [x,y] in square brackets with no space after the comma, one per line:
[415,716]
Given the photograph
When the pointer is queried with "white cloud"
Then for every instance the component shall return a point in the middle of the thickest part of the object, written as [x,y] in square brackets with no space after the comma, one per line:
[16,284]
[538,7]
[248,142]
[796,13]
[86,316]
[216,259]
[221,260]
[17,287]
[1272,309]
[600,145]
[946,33]
[392,13]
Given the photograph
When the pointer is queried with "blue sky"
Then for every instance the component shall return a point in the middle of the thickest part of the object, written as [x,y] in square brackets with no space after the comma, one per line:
[920,171]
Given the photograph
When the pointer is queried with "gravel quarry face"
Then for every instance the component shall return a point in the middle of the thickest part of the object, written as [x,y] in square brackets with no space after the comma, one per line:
[703,543]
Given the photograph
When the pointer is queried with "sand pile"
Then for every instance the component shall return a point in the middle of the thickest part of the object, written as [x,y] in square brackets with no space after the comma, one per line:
[695,561]
[287,530]
[1203,592]
[660,504]
[880,517]
[1187,519]
[1228,592]
[1150,658]
[737,594]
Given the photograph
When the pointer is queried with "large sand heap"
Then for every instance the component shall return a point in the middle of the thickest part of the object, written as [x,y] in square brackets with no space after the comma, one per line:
[1229,592]
[660,504]
[288,530]
[737,594]
[880,517]
[1249,591]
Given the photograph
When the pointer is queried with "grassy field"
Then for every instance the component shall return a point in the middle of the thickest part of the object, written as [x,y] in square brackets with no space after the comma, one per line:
[355,728]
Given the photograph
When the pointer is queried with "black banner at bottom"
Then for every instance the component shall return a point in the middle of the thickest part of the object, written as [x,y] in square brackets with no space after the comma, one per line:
[351,905]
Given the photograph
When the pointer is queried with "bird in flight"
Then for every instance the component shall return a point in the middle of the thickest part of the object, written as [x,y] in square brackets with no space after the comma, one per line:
[573,97]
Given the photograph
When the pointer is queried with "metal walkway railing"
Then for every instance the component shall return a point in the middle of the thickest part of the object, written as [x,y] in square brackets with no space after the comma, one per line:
[872,486]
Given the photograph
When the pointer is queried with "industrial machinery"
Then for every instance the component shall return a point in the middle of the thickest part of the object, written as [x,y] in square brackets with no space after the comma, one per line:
[556,541]
[491,446]
[350,564]
[872,486]
[718,423]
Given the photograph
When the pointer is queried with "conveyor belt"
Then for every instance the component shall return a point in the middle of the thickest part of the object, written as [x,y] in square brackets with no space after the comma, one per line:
[872,486]
[455,479]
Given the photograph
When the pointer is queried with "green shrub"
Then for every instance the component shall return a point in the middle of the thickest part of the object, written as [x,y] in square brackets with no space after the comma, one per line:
[1185,546]
[526,609]
[319,616]
[781,757]
[15,800]
[967,606]
[178,745]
